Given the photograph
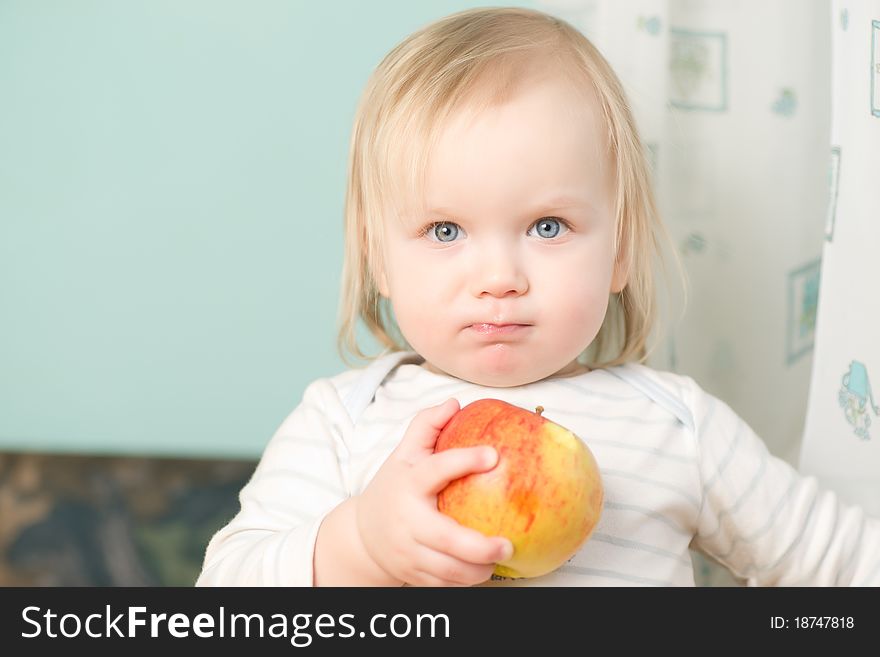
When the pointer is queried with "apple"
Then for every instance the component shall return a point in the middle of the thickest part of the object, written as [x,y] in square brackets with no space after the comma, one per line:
[545,493]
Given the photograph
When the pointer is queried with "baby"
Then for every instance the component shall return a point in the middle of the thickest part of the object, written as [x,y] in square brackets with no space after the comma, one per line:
[501,239]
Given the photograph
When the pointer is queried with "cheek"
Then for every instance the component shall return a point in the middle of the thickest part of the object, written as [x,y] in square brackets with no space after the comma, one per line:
[585,304]
[417,287]
[576,301]
[416,276]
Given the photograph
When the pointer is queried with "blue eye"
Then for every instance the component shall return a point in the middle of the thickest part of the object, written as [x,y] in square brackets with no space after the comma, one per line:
[549,227]
[444,231]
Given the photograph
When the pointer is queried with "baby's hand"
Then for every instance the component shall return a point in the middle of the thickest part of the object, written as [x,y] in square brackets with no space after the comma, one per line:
[397,515]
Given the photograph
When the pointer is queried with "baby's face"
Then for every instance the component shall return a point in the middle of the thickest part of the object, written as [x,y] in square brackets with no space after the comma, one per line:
[521,197]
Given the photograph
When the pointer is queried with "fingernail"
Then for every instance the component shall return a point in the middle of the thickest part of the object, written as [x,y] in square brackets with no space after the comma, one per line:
[506,551]
[490,456]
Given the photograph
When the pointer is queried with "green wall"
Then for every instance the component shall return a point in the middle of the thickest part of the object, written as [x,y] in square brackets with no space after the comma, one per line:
[172,177]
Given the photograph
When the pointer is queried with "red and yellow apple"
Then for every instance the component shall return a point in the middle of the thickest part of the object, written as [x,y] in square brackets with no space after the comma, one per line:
[544,495]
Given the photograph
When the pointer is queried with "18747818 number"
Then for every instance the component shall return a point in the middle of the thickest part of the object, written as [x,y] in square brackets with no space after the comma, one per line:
[813,622]
[824,622]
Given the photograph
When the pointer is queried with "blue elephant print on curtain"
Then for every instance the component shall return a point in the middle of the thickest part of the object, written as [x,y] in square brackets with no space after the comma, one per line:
[857,400]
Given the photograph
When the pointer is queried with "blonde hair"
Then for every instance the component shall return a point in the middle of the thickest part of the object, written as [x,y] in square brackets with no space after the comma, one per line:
[473,58]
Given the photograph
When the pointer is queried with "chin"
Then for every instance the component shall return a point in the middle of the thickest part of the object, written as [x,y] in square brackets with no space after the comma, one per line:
[501,366]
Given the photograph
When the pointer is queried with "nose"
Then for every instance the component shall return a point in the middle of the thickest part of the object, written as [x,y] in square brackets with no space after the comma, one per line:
[498,271]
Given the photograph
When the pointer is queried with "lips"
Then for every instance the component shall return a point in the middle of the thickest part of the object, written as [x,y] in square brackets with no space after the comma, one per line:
[498,329]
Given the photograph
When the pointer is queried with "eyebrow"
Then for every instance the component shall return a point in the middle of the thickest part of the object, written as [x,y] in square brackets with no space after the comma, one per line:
[565,202]
[553,203]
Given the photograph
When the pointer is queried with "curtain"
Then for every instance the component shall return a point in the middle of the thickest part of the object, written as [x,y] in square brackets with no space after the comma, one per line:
[769,201]
[841,443]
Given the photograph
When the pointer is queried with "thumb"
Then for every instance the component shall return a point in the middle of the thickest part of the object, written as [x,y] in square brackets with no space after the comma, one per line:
[425,427]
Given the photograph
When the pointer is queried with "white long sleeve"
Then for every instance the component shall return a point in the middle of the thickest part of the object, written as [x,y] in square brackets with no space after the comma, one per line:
[680,471]
[299,480]
[767,523]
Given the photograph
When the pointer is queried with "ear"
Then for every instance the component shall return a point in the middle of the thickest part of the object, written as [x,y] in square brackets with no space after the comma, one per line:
[382,283]
[383,287]
[620,275]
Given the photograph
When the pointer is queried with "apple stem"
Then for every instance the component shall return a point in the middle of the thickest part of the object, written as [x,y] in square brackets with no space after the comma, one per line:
[539,409]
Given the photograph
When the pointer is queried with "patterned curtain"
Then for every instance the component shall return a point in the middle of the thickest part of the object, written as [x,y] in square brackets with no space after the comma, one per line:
[841,443]
[766,168]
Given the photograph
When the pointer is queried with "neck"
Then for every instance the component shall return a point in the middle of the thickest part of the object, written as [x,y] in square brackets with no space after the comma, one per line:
[572,369]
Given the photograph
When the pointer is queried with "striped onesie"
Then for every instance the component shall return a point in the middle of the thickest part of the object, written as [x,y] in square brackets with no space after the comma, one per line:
[681,472]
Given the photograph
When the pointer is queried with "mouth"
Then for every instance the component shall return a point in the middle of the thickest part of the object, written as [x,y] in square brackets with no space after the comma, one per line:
[498,329]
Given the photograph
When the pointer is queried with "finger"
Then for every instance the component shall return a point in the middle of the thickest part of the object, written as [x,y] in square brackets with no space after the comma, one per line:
[421,435]
[435,473]
[440,569]
[443,534]
[427,579]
